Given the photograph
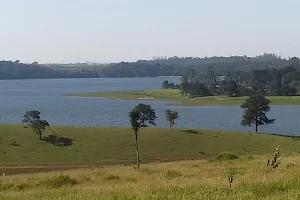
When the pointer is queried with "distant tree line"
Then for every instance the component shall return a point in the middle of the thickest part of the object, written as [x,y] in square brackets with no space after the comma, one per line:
[272,82]
[173,66]
[17,70]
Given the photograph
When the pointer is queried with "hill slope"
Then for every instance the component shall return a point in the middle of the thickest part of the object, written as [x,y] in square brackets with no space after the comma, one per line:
[101,145]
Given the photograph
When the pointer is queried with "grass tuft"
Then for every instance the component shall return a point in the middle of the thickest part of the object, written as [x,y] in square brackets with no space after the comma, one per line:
[226,156]
[60,181]
[112,177]
[170,174]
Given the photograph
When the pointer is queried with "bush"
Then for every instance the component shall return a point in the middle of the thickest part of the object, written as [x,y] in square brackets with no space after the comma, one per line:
[226,156]
[60,181]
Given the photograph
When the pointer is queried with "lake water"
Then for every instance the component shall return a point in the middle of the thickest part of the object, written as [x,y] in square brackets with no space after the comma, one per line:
[18,96]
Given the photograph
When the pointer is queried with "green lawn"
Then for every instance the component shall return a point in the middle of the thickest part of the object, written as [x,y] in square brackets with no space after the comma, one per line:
[174,95]
[108,145]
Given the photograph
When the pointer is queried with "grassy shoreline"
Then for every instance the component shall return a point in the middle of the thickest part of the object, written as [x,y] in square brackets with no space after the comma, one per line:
[175,96]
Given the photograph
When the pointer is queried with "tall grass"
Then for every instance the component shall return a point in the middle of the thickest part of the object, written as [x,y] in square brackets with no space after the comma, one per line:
[174,180]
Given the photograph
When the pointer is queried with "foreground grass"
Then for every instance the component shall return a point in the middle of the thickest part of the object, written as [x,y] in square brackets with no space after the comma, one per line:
[174,95]
[175,180]
[82,146]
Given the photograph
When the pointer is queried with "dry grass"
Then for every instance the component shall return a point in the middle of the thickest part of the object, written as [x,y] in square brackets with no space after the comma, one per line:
[174,180]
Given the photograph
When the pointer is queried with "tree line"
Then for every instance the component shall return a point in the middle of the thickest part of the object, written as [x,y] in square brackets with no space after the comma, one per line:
[143,115]
[173,66]
[272,82]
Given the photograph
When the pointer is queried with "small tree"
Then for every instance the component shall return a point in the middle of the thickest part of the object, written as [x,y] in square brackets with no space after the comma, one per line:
[165,85]
[255,109]
[138,116]
[32,119]
[171,115]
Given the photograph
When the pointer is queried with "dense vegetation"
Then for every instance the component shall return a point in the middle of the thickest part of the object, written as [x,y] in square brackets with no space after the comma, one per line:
[270,81]
[142,68]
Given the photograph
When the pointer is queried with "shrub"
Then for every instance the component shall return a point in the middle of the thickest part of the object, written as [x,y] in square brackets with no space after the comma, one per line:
[275,161]
[60,181]
[226,156]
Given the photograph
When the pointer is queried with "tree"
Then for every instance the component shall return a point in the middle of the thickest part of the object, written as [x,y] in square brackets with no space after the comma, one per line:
[231,88]
[255,109]
[33,120]
[138,116]
[171,115]
[147,114]
[165,85]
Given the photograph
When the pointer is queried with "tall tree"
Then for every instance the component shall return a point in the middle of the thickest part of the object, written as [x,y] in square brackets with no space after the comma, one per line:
[255,110]
[171,115]
[147,114]
[138,116]
[33,120]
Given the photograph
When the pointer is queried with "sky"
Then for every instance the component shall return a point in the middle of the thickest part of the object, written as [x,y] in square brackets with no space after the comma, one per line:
[65,31]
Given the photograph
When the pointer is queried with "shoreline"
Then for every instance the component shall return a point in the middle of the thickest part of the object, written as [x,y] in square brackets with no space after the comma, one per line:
[174,95]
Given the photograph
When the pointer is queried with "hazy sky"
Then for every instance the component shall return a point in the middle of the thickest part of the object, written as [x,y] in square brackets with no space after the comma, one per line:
[128,30]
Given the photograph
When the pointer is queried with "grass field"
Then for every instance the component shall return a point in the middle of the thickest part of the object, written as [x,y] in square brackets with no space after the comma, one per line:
[88,163]
[174,95]
[252,180]
[81,146]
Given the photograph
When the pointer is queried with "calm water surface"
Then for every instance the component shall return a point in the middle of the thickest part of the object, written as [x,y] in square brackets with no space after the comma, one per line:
[18,96]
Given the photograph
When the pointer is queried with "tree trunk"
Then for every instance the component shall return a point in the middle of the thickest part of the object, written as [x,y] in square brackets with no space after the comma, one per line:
[40,136]
[256,126]
[137,151]
[170,125]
